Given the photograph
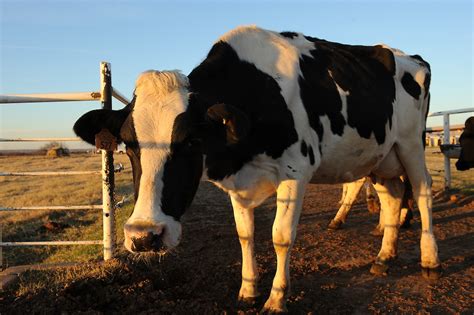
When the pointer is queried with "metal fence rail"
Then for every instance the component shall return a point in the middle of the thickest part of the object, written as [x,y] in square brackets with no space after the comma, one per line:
[50,243]
[59,97]
[118,168]
[108,204]
[446,137]
[39,139]
[81,207]
[48,173]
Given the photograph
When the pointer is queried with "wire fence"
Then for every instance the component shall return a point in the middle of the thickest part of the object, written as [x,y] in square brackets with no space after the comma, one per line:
[108,169]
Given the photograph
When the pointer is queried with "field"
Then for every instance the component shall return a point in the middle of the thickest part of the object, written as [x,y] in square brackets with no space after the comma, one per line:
[330,269]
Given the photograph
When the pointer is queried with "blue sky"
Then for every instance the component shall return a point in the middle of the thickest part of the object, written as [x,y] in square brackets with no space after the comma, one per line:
[56,46]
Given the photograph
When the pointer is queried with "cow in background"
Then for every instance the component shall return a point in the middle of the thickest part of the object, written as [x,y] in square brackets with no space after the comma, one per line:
[466,158]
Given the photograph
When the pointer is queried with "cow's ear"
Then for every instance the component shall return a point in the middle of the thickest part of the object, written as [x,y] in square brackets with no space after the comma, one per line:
[235,122]
[91,123]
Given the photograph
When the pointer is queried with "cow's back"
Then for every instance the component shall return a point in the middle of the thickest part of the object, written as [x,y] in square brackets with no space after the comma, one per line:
[314,105]
[360,101]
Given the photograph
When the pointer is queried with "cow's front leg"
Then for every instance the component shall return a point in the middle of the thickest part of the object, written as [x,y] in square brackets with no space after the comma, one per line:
[289,201]
[244,221]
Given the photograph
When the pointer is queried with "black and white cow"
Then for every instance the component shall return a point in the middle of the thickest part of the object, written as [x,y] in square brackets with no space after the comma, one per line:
[270,112]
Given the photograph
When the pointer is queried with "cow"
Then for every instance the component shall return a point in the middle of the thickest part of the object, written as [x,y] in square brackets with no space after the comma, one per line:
[268,112]
[349,196]
[466,157]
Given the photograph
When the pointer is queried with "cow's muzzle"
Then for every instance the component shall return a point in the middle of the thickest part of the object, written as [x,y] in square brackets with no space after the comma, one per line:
[144,237]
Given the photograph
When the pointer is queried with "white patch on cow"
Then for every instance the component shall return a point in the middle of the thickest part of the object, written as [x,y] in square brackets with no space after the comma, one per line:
[160,98]
[303,45]
[277,58]
[254,183]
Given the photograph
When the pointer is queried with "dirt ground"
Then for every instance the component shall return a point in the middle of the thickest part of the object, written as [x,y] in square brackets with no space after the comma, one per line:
[329,269]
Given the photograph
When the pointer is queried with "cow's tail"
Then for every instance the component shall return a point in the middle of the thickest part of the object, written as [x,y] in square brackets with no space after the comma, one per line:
[426,108]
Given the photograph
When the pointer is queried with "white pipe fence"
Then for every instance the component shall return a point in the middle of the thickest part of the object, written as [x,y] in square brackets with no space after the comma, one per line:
[82,207]
[446,137]
[108,204]
[118,168]
[38,139]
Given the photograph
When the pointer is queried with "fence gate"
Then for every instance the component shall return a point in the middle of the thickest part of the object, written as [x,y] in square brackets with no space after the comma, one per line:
[446,137]
[108,205]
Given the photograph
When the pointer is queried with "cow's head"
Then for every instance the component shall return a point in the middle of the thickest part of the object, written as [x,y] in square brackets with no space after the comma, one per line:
[165,140]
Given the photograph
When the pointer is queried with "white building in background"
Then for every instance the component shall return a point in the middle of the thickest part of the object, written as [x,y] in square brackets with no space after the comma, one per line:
[434,137]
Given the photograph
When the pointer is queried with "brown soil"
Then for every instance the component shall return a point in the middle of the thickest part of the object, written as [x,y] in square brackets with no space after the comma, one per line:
[329,269]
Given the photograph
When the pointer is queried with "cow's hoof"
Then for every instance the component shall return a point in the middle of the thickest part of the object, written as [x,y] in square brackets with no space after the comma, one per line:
[335,225]
[376,232]
[431,273]
[247,302]
[379,269]
[274,306]
[266,310]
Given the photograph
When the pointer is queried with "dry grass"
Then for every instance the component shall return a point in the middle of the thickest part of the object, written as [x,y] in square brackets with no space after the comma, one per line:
[52,191]
[86,189]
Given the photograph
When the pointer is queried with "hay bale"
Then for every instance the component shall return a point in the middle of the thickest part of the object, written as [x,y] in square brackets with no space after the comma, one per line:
[57,152]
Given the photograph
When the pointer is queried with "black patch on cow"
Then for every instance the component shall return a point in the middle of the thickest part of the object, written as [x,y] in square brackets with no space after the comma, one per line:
[366,72]
[129,136]
[223,78]
[311,155]
[289,34]
[304,148]
[411,86]
[182,170]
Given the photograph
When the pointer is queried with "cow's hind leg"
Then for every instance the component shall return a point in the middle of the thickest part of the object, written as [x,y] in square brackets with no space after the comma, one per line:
[373,204]
[289,201]
[406,213]
[390,194]
[351,191]
[378,230]
[244,221]
[413,160]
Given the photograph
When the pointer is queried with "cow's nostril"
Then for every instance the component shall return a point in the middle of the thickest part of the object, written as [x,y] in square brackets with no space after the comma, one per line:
[150,242]
[156,242]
